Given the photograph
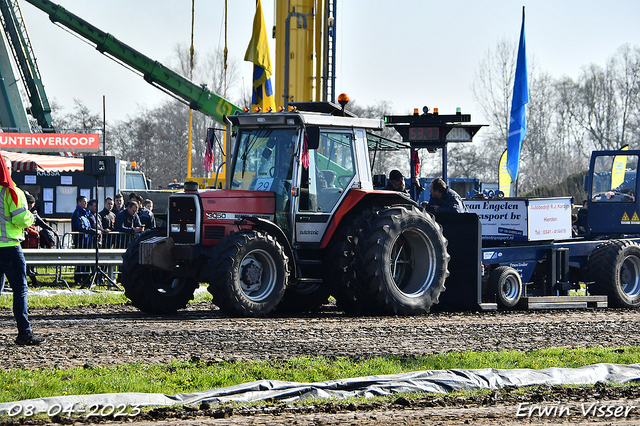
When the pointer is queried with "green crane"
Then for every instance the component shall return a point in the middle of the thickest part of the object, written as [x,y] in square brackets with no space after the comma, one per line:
[197,97]
[17,40]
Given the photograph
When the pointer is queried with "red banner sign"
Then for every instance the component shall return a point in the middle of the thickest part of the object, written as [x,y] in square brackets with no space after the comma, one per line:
[57,142]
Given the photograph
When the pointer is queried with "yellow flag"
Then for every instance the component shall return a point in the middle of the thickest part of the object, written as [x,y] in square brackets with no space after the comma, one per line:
[618,168]
[258,50]
[504,178]
[258,54]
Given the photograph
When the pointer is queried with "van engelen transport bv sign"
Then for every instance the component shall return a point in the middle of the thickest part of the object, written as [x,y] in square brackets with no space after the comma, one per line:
[39,142]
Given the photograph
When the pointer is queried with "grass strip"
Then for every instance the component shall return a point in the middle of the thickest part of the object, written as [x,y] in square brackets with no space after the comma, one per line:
[194,376]
[69,300]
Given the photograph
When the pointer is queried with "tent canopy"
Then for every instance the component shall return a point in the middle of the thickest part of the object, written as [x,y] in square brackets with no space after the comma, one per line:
[35,162]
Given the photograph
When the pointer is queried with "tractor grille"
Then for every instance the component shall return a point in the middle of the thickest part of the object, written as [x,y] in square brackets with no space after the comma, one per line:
[214,232]
[183,211]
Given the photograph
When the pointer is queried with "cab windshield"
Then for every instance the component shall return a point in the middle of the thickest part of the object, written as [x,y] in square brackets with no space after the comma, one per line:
[264,160]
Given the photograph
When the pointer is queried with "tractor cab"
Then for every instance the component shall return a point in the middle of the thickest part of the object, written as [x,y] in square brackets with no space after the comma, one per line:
[308,160]
[612,185]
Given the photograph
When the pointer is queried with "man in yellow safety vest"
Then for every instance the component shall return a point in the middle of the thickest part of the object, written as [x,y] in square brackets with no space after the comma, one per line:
[14,218]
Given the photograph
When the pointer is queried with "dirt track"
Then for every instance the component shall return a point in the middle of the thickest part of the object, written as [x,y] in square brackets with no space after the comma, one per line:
[120,334]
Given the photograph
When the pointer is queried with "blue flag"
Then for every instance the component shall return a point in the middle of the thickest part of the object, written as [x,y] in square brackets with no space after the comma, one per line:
[518,122]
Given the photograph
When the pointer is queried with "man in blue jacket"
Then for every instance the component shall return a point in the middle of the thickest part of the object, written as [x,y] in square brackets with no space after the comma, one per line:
[127,220]
[444,199]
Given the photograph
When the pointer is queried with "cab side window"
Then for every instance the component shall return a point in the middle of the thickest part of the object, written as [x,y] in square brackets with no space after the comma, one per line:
[614,178]
[331,169]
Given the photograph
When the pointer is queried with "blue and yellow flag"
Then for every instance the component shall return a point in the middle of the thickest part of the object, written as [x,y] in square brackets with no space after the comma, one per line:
[518,122]
[258,54]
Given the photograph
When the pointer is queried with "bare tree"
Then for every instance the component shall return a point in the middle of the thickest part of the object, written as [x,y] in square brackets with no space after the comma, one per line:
[80,119]
[625,66]
[492,89]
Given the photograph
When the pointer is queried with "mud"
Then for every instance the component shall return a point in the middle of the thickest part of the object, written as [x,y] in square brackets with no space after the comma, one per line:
[116,334]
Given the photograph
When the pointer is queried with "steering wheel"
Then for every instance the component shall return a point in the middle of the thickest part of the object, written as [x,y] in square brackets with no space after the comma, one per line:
[625,197]
[345,178]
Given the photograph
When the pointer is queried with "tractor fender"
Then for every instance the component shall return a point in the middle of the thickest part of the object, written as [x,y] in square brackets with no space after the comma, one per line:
[357,198]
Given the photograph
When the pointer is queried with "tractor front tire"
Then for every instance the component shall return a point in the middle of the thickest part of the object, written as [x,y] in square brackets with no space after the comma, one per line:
[150,290]
[401,259]
[251,273]
[614,266]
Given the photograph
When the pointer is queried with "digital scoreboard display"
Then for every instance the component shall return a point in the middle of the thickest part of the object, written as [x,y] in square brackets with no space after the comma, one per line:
[431,134]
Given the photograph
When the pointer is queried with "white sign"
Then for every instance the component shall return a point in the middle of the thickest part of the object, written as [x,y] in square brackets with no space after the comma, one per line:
[47,194]
[310,232]
[66,180]
[264,184]
[549,219]
[501,219]
[29,179]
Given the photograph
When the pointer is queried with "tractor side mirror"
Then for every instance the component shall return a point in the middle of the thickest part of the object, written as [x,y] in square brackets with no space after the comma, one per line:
[313,137]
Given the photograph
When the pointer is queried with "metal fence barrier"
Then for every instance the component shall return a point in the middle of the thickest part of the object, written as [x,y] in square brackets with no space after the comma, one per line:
[110,240]
[74,255]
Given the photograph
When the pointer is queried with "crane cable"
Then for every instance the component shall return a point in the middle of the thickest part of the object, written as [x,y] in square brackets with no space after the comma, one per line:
[191,51]
[226,53]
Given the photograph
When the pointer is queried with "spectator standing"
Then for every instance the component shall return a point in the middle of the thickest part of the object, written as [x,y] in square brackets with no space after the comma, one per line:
[31,232]
[14,218]
[118,205]
[95,221]
[39,222]
[80,223]
[146,215]
[127,220]
[134,197]
[107,215]
[108,223]
[82,238]
[32,236]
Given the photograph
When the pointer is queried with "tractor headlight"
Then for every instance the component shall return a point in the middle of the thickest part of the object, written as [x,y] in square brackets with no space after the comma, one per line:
[175,227]
[191,227]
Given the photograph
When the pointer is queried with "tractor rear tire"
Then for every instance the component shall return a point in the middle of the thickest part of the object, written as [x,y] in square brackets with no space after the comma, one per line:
[150,290]
[614,266]
[303,297]
[251,273]
[506,284]
[401,259]
[339,273]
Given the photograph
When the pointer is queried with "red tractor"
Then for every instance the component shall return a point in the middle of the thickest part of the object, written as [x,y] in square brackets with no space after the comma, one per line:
[298,220]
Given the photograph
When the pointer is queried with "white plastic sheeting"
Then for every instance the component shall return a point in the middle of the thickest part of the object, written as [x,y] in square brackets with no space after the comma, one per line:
[437,381]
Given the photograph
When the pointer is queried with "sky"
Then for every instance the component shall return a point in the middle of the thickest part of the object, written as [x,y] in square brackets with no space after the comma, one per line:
[410,53]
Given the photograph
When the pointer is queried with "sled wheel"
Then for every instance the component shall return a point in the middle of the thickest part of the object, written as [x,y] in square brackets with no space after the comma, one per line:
[506,284]
[250,274]
[150,290]
[614,266]
[402,259]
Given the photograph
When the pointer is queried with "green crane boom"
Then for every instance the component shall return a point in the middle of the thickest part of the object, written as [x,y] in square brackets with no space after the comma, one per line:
[197,97]
[20,45]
